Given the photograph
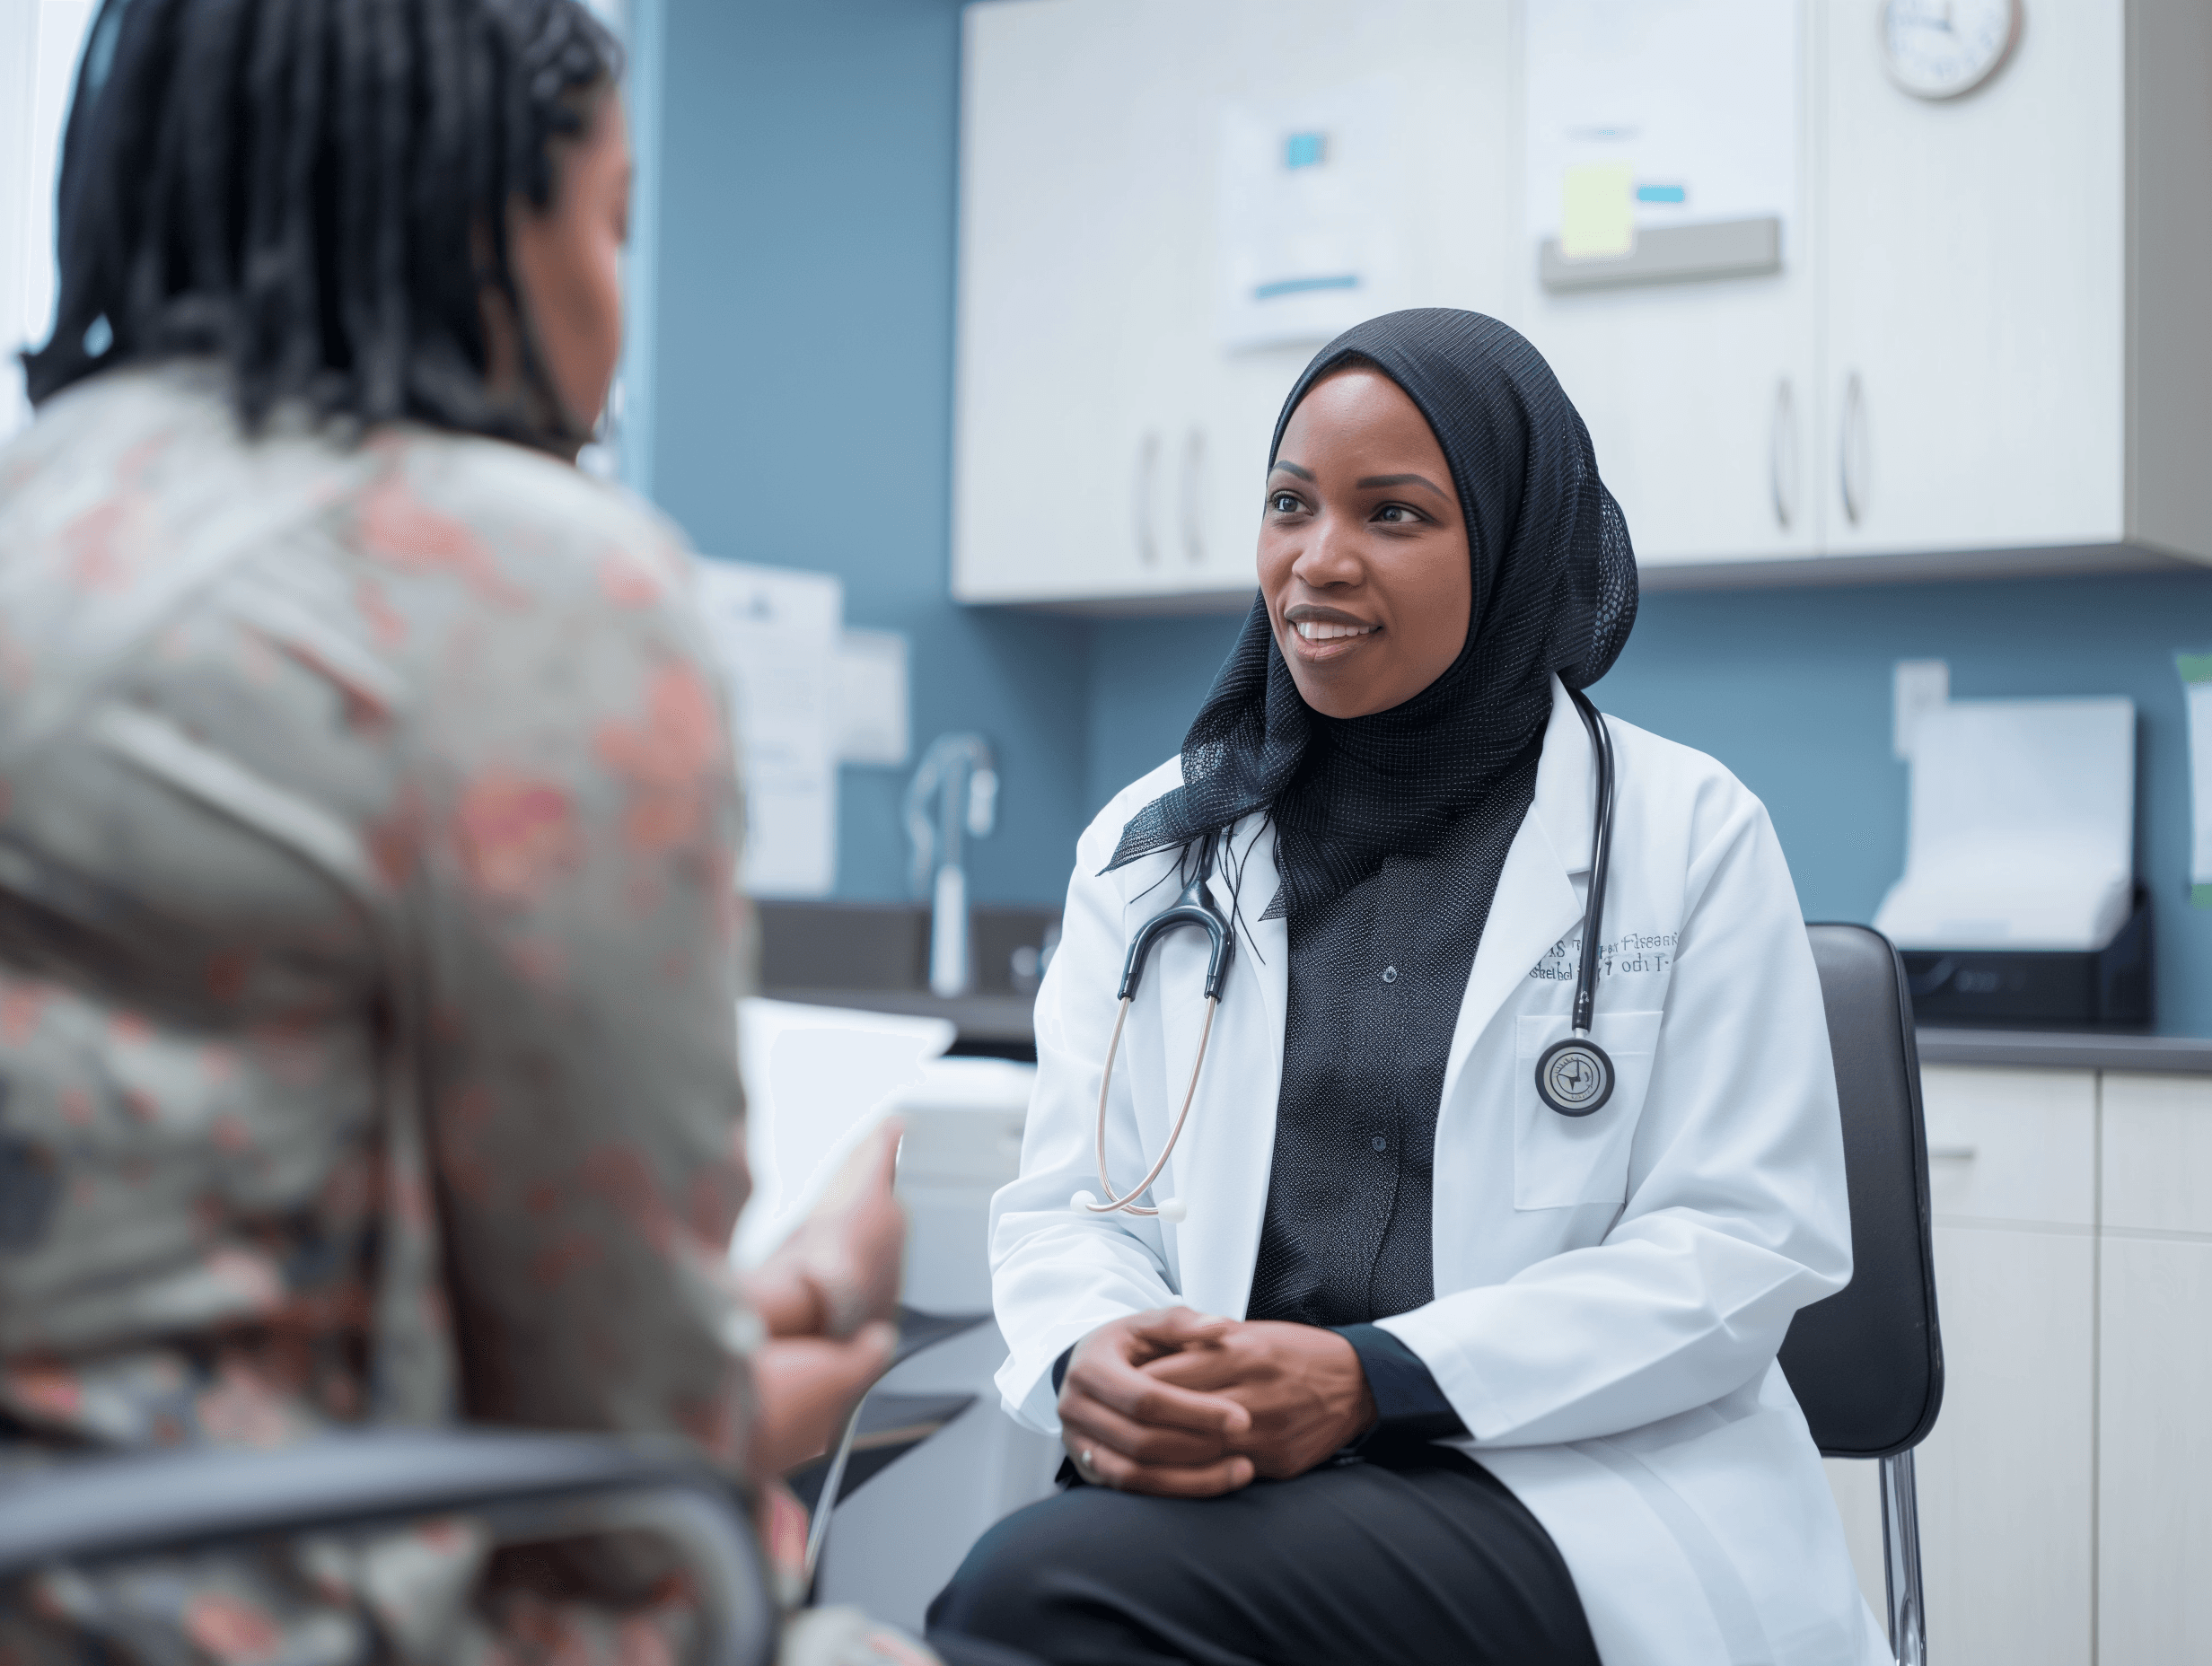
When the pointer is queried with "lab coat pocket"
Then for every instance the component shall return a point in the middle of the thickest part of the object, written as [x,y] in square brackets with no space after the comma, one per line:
[1559,1161]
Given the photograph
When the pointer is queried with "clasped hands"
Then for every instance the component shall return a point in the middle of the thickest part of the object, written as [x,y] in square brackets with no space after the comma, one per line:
[1176,1404]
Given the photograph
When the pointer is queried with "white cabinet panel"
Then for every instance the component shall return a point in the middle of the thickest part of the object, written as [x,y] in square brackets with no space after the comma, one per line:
[1702,398]
[1976,294]
[1108,449]
[2158,1155]
[2154,1502]
[2010,1145]
[2005,1486]
[2155,1491]
[1080,222]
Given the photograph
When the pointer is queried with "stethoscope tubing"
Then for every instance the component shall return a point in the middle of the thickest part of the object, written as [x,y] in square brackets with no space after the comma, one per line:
[1124,1201]
[1601,862]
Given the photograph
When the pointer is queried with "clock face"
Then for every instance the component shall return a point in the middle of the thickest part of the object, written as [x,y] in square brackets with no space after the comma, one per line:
[1940,49]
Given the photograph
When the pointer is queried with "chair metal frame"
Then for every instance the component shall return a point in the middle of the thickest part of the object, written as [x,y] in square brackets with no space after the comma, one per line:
[1900,1559]
[1868,1363]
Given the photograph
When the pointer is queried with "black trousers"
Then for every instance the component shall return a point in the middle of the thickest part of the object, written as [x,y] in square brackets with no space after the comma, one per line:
[1415,1557]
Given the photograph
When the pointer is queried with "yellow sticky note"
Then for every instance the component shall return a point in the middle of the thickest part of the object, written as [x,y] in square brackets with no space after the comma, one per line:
[1597,211]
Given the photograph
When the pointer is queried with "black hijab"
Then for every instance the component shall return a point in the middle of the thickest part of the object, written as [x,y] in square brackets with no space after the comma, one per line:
[1554,590]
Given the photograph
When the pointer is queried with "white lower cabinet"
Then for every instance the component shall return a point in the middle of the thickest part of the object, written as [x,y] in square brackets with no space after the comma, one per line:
[2155,1424]
[2007,1478]
[2065,1494]
[2155,1485]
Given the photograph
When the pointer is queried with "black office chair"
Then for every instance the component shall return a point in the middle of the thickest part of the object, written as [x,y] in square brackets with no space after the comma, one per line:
[107,1509]
[1868,1363]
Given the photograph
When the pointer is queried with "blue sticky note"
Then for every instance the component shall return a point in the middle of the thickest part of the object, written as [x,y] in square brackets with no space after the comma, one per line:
[1283,286]
[1305,150]
[1661,194]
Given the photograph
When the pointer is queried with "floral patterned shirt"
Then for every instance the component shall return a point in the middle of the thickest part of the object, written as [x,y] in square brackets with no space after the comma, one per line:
[368,963]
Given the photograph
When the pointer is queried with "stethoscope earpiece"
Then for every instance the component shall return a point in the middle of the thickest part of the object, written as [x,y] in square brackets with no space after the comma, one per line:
[1082,1201]
[1175,1210]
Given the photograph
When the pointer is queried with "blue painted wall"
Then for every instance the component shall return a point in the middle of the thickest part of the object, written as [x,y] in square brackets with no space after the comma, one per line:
[802,382]
[802,417]
[1790,689]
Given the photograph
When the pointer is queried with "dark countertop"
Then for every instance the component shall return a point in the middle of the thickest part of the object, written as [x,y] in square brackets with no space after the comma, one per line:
[2067,1050]
[996,1020]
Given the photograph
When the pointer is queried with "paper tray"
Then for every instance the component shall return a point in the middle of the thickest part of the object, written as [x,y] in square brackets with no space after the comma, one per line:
[2048,989]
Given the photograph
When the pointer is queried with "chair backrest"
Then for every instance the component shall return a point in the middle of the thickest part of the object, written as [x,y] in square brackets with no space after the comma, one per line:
[1868,1363]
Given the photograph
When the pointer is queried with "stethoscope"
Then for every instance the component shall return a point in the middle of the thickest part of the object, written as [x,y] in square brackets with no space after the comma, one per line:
[1195,907]
[1574,1076]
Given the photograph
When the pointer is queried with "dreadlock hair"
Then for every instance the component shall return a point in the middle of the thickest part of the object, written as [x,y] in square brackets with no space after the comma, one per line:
[317,192]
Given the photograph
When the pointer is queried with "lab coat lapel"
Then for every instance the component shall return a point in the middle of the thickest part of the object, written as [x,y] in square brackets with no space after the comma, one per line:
[1535,906]
[1233,1124]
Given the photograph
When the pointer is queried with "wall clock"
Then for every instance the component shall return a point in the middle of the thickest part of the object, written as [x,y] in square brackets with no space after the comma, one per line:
[1942,49]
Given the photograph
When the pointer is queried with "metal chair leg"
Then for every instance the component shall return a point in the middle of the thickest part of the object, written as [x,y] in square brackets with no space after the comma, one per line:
[1900,1556]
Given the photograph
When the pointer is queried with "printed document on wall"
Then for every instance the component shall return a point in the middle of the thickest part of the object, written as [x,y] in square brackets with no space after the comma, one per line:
[1307,216]
[1644,114]
[777,632]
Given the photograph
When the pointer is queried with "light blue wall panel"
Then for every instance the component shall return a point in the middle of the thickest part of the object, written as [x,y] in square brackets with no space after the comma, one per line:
[1147,678]
[802,382]
[1791,690]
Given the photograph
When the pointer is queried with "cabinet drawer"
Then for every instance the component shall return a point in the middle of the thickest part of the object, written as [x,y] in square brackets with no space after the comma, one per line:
[2155,1468]
[2158,1153]
[2012,1144]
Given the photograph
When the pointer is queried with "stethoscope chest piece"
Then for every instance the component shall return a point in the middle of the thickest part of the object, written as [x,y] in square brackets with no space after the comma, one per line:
[1574,1076]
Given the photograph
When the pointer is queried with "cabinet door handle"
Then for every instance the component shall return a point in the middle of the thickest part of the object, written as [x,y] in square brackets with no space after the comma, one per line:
[1951,1154]
[1851,450]
[1782,444]
[1194,495]
[1147,476]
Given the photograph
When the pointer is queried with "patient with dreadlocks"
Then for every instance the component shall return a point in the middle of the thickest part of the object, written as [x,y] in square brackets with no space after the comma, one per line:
[367,926]
[323,195]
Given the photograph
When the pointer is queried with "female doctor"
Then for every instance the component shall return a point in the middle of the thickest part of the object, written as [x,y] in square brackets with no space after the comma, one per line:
[1503,1386]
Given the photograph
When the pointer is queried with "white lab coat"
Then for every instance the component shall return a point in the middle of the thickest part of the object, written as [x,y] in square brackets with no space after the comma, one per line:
[1611,1290]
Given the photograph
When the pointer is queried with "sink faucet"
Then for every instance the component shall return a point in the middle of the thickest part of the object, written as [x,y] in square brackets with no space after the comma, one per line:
[958,772]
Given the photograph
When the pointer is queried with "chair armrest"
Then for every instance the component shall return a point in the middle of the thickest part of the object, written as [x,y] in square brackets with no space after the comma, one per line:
[99,1509]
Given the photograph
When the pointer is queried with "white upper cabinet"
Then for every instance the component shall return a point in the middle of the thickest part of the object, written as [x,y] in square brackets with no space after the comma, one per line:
[1975,339]
[2018,356]
[1977,276]
[1111,437]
